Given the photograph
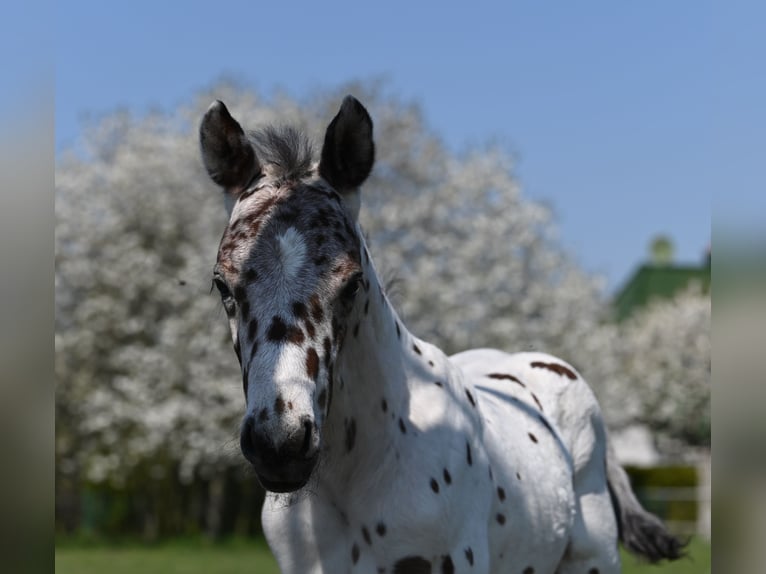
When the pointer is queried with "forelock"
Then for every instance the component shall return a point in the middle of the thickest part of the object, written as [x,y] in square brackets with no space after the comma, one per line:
[286,148]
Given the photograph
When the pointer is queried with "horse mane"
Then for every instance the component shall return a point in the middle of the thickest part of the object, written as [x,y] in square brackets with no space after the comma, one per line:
[285,147]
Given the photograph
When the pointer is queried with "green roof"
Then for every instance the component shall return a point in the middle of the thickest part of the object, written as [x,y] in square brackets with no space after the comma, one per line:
[653,281]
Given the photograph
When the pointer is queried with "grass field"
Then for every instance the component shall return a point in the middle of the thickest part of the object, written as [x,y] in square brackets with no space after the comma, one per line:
[237,557]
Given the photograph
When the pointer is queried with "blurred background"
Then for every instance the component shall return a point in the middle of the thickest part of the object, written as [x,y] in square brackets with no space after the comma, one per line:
[543,179]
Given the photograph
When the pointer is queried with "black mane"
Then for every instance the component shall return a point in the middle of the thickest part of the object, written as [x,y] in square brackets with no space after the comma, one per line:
[285,147]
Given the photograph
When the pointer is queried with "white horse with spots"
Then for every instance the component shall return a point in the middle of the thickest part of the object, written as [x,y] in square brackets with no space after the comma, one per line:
[380,453]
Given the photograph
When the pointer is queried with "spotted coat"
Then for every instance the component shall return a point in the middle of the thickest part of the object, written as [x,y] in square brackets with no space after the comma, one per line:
[380,453]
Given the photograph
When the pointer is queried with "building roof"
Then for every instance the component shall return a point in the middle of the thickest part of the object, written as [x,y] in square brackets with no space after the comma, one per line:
[658,281]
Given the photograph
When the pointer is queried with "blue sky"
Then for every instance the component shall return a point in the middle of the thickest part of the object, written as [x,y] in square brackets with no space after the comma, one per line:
[609,107]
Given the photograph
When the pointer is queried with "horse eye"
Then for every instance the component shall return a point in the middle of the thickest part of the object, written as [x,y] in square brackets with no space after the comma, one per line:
[226,297]
[351,288]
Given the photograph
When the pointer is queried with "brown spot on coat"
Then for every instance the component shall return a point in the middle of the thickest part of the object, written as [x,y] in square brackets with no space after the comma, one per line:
[504,376]
[412,565]
[470,397]
[316,308]
[402,427]
[532,437]
[557,368]
[295,335]
[366,535]
[312,364]
[469,555]
[537,401]
[416,349]
[300,311]
[277,330]
[434,485]
[355,553]
[501,493]
[279,405]
[380,529]
[447,477]
[500,519]
[468,457]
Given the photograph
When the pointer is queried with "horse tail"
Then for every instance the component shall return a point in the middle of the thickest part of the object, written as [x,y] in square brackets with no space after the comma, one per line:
[640,532]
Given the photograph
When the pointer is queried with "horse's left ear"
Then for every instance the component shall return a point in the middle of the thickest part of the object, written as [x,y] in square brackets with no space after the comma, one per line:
[348,151]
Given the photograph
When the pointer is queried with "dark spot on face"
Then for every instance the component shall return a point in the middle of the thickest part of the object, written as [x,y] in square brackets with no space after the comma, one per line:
[470,397]
[434,485]
[295,335]
[289,405]
[384,405]
[263,415]
[447,477]
[310,330]
[300,311]
[244,309]
[438,384]
[416,349]
[277,331]
[500,519]
[431,363]
[468,454]
[252,329]
[316,308]
[350,426]
[402,427]
[532,437]
[279,405]
[380,529]
[503,376]
[469,555]
[557,368]
[355,553]
[366,535]
[447,566]
[251,276]
[500,493]
[412,565]
[312,363]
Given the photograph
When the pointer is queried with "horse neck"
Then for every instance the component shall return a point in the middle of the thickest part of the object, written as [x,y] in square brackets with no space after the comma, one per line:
[375,372]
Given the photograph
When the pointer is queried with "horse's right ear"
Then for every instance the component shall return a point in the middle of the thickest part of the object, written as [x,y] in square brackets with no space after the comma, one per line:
[228,156]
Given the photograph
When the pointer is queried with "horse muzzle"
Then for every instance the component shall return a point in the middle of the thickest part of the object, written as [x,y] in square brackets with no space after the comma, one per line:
[282,467]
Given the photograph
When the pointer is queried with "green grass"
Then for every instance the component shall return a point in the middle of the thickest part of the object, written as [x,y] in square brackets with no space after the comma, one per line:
[236,557]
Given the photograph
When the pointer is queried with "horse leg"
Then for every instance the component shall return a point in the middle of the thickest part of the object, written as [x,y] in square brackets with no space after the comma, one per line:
[593,544]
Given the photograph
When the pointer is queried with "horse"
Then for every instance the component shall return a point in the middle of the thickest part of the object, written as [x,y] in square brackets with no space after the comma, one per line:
[378,452]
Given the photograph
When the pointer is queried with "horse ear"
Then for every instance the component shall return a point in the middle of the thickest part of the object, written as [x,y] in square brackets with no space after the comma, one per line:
[348,151]
[228,156]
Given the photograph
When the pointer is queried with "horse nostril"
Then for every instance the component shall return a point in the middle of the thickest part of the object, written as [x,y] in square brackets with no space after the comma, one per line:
[248,439]
[308,429]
